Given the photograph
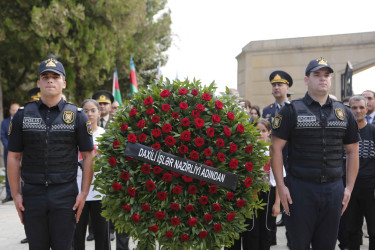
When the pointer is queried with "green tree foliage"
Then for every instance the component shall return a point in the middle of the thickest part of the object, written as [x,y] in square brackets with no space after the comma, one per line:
[89,37]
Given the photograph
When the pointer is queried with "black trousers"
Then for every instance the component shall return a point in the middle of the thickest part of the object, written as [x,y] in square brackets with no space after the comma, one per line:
[99,225]
[362,203]
[49,218]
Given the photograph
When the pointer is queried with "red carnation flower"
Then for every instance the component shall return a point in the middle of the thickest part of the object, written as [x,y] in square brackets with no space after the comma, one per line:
[230,116]
[192,189]
[125,175]
[211,132]
[124,127]
[200,107]
[220,143]
[184,237]
[136,218]
[132,191]
[192,222]
[154,228]
[194,92]
[157,170]
[175,115]
[183,105]
[202,183]
[231,216]
[162,195]
[215,118]
[175,206]
[187,178]
[248,182]
[169,234]
[216,207]
[142,137]
[198,122]
[116,144]
[233,163]
[232,147]
[195,113]
[156,146]
[175,221]
[209,163]
[240,128]
[199,142]
[133,112]
[218,105]
[183,149]
[241,203]
[206,97]
[165,93]
[112,161]
[116,186]
[203,234]
[207,217]
[230,195]
[132,138]
[150,111]
[189,208]
[227,132]
[249,166]
[150,185]
[159,215]
[185,136]
[185,122]
[207,152]
[182,91]
[156,133]
[217,227]
[221,157]
[203,200]
[127,208]
[148,101]
[155,119]
[146,207]
[167,177]
[165,107]
[248,149]
[170,141]
[213,189]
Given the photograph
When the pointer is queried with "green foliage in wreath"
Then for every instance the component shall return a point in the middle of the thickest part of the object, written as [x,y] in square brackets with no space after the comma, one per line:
[185,119]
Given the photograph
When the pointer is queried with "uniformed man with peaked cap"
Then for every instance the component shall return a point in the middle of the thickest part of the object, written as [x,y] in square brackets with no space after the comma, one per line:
[105,100]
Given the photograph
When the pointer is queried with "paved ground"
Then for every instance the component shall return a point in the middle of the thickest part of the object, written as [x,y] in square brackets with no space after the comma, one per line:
[11,232]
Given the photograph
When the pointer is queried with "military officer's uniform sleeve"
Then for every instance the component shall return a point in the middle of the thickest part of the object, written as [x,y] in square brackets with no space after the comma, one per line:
[84,132]
[284,122]
[15,132]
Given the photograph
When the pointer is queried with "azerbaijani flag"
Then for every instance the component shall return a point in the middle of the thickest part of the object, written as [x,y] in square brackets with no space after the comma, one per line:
[116,88]
[133,78]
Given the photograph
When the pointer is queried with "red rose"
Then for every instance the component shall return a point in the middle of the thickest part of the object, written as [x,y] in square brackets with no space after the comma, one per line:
[127,208]
[189,208]
[116,144]
[170,141]
[182,91]
[217,227]
[154,228]
[199,142]
[175,206]
[207,152]
[155,119]
[211,132]
[206,97]
[133,112]
[175,115]
[230,116]
[136,218]
[240,128]
[132,191]
[175,174]
[209,163]
[124,127]
[167,177]
[221,157]
[146,207]
[150,111]
[148,101]
[233,163]
[241,203]
[216,207]
[169,234]
[162,195]
[220,143]
[125,175]
[175,221]
[213,189]
[185,122]
[192,222]
[227,132]
[159,215]
[231,216]
[198,122]
[248,182]
[187,178]
[184,237]
[248,149]
[203,200]
[156,146]
[249,166]
[207,217]
[183,105]
[150,185]
[112,161]
[142,137]
[215,118]
[165,107]
[202,183]
[132,138]
[200,107]
[157,170]
[156,133]
[192,189]
[185,136]
[116,186]
[182,149]
[194,92]
[195,114]
[203,234]
[218,105]
[165,93]
[232,147]
[230,195]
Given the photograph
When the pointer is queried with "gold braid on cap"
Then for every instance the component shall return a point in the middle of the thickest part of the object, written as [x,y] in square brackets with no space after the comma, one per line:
[278,78]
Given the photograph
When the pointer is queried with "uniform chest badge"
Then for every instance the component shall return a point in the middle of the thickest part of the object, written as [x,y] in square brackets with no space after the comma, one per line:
[340,113]
[89,127]
[10,128]
[277,121]
[68,116]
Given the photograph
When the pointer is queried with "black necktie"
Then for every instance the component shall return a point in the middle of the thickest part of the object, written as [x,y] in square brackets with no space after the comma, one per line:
[102,122]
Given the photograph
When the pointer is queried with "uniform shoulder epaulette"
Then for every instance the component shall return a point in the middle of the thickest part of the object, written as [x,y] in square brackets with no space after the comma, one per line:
[287,102]
[79,109]
[21,108]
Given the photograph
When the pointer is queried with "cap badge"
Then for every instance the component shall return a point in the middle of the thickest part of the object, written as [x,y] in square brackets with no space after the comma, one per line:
[68,116]
[340,113]
[277,121]
[102,98]
[50,62]
[277,77]
[322,61]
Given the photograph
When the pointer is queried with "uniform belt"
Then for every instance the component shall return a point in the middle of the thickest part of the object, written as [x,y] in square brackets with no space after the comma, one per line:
[321,179]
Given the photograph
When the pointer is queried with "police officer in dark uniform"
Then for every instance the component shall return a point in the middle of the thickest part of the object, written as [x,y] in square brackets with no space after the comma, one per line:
[317,130]
[44,139]
[105,100]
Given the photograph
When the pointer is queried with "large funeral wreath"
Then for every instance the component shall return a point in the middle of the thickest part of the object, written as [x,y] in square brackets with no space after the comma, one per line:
[153,204]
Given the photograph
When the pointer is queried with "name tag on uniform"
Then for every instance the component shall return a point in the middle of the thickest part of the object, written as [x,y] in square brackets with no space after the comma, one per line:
[306,118]
[32,120]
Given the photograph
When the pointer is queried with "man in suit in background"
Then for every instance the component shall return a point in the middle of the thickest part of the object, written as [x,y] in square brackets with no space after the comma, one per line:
[370,96]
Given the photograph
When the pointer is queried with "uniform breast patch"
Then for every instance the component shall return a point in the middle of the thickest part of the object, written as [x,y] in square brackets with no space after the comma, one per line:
[340,113]
[68,116]
[277,121]
[89,128]
[306,118]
